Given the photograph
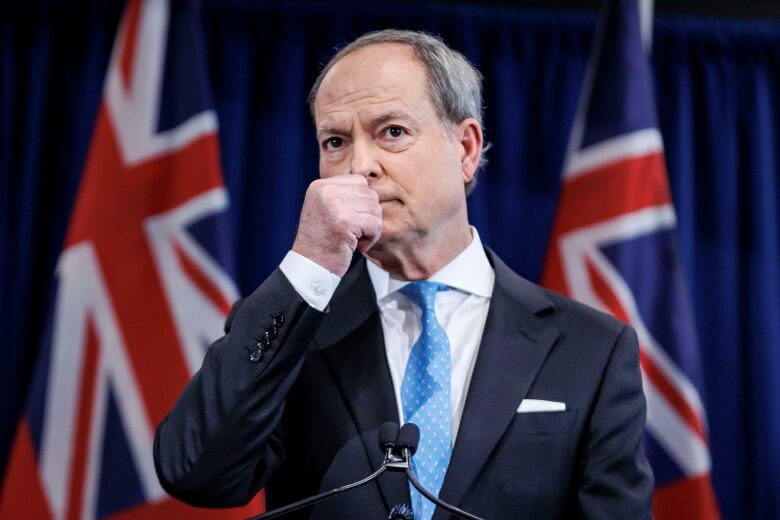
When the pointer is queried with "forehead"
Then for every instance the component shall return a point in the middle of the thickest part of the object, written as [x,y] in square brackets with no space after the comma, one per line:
[375,78]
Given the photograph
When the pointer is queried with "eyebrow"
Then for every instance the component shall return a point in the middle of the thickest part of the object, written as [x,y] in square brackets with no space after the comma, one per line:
[390,116]
[329,130]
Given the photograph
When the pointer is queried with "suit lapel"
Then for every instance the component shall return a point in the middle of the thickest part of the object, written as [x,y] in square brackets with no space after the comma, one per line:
[514,344]
[353,349]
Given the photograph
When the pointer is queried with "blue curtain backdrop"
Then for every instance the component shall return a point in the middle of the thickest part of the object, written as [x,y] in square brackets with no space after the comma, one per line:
[718,83]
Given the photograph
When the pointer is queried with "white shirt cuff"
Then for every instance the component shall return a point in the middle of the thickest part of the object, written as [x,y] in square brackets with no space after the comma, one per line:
[314,283]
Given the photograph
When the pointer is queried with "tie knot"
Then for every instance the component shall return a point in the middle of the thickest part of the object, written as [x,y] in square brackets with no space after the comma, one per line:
[423,293]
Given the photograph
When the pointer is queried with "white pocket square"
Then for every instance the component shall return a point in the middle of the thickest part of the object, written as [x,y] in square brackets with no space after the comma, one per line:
[540,405]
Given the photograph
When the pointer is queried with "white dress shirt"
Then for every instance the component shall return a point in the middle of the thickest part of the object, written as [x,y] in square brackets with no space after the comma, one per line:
[461,311]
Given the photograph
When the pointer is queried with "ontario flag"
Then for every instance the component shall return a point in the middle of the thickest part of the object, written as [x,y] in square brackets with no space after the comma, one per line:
[141,287]
[613,248]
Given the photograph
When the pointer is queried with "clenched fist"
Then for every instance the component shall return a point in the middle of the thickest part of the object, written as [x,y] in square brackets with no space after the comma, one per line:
[339,214]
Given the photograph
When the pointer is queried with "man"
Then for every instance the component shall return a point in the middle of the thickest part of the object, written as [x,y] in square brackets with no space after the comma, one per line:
[529,405]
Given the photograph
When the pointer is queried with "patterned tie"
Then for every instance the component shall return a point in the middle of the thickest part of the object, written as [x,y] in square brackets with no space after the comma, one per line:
[425,396]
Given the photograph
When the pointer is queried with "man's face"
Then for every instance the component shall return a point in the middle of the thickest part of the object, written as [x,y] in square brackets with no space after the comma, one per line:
[375,117]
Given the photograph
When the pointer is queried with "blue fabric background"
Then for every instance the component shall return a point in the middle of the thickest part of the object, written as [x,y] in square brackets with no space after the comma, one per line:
[717,83]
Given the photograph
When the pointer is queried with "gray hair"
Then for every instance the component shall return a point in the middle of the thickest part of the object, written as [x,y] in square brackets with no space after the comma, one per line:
[455,85]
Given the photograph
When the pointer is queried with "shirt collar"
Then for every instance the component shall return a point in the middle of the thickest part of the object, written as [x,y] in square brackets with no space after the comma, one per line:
[469,272]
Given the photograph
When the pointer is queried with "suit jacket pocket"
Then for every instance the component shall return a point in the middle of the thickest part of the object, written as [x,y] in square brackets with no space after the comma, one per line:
[539,423]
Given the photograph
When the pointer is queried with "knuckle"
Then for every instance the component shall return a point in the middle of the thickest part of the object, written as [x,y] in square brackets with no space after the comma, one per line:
[316,190]
[341,220]
[331,194]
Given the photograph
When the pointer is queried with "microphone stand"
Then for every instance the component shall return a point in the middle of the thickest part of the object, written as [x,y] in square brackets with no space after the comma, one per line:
[403,465]
[392,462]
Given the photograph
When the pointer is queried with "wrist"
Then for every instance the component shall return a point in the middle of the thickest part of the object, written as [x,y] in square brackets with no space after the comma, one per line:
[333,262]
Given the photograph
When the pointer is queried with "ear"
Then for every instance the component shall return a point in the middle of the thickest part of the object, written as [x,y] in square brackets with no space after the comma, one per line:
[469,136]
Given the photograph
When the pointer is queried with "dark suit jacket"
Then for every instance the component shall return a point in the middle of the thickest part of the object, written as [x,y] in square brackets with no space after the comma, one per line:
[304,417]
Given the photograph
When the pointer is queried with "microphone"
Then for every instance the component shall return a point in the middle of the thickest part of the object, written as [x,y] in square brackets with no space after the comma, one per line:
[388,433]
[408,439]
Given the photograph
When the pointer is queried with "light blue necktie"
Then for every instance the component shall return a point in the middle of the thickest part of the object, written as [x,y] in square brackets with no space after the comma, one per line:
[425,397]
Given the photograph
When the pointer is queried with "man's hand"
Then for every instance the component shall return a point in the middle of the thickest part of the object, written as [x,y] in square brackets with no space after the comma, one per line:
[339,214]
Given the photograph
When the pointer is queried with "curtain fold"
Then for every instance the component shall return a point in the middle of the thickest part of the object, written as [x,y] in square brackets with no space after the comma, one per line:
[717,83]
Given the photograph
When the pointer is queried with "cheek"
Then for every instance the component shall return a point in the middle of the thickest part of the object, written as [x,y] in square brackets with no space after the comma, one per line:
[442,176]
[443,157]
[328,168]
[430,174]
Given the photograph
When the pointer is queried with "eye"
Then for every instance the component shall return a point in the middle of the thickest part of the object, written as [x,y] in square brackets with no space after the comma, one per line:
[394,132]
[333,143]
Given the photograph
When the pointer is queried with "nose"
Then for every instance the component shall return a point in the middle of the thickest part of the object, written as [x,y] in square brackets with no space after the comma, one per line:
[363,161]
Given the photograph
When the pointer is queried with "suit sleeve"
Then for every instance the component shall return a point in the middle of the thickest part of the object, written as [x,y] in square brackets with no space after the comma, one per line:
[617,480]
[220,442]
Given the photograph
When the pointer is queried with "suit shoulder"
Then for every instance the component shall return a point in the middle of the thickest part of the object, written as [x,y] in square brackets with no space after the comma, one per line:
[589,332]
[567,314]
[573,312]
